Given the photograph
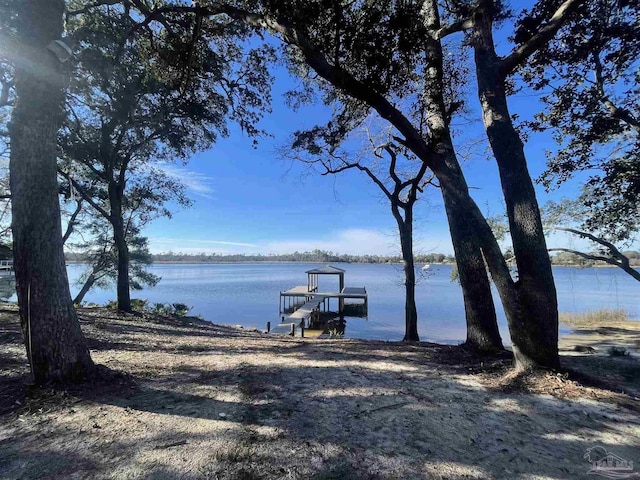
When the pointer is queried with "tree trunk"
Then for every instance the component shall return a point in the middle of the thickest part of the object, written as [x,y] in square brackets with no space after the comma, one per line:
[55,345]
[91,279]
[536,343]
[405,228]
[123,290]
[482,324]
[480,313]
[120,241]
[453,183]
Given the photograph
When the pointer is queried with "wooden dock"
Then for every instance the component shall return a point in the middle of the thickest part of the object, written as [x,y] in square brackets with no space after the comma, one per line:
[347,292]
[303,303]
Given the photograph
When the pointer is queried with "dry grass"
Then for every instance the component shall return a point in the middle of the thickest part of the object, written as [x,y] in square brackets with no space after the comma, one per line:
[601,317]
[199,401]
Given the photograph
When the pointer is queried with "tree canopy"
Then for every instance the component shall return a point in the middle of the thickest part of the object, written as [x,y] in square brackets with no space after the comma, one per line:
[590,79]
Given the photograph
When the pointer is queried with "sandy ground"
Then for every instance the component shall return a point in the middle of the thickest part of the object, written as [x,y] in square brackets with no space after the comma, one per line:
[199,401]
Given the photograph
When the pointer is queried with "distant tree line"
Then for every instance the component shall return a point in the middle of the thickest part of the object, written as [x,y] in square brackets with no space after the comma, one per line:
[315,256]
[322,256]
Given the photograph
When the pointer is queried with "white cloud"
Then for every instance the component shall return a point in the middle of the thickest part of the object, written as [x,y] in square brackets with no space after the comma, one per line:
[352,241]
[195,245]
[355,241]
[196,182]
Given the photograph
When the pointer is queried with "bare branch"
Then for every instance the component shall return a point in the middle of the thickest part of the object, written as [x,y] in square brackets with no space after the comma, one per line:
[377,181]
[392,167]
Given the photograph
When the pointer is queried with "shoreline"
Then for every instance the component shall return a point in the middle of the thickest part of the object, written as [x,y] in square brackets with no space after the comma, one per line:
[293,262]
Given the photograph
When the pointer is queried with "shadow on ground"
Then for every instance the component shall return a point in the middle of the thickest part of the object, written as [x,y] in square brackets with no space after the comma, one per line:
[201,401]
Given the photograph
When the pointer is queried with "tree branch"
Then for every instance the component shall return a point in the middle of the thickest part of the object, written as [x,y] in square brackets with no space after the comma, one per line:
[72,222]
[87,8]
[4,93]
[544,35]
[85,195]
[452,28]
[616,112]
[587,256]
[586,235]
[334,74]
[616,257]
[372,176]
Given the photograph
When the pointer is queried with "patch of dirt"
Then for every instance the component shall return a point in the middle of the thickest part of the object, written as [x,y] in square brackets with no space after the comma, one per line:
[586,352]
[200,401]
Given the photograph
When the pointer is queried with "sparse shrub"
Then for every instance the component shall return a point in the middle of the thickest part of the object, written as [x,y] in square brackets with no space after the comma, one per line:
[170,309]
[157,308]
[160,309]
[615,351]
[139,304]
[180,309]
[335,333]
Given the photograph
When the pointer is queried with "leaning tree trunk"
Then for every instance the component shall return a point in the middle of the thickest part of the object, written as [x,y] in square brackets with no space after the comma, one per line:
[482,325]
[55,345]
[91,280]
[536,343]
[119,238]
[405,228]
[480,313]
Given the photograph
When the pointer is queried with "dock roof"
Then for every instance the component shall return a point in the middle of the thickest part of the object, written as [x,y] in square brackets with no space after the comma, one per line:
[326,270]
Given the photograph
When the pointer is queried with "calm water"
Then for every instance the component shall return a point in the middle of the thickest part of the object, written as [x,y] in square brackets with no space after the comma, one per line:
[247,294]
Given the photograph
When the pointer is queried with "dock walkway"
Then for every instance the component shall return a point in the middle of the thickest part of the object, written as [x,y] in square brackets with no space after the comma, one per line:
[305,311]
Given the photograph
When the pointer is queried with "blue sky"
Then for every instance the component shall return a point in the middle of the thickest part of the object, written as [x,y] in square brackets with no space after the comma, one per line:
[251,201]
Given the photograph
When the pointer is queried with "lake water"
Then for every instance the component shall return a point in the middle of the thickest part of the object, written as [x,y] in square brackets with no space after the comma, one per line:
[248,294]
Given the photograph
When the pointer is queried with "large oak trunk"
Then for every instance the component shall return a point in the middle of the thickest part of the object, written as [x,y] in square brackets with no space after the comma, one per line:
[480,314]
[536,342]
[55,344]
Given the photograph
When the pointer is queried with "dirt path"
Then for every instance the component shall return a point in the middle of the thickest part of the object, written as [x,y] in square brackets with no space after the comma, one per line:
[202,401]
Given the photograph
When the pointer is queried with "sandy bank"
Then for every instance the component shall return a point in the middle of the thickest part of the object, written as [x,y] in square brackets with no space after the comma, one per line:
[204,401]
